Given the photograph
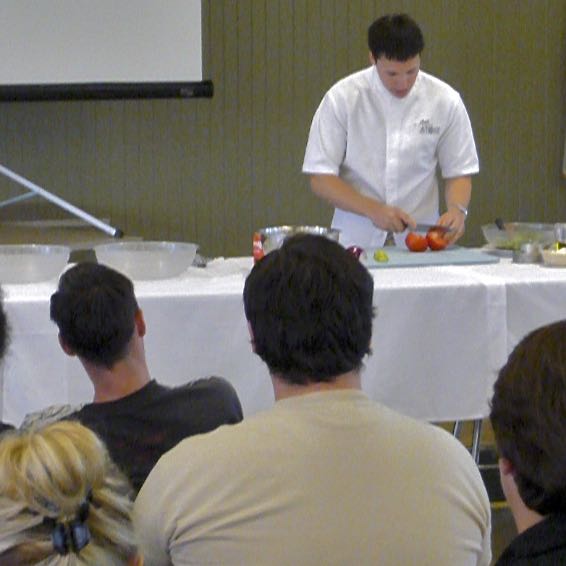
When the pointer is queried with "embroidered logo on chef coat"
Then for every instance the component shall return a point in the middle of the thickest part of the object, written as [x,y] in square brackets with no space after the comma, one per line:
[425,127]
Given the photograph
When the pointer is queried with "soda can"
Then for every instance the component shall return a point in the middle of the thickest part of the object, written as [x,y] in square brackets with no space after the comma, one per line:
[257,250]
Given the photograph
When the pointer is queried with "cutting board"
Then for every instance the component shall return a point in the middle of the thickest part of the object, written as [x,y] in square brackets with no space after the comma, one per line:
[401,257]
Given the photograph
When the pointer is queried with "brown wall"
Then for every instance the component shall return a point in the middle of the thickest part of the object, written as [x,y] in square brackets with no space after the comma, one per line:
[212,170]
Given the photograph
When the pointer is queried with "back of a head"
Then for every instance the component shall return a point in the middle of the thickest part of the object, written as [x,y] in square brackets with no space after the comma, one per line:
[56,484]
[527,414]
[4,329]
[4,340]
[94,307]
[395,36]
[309,305]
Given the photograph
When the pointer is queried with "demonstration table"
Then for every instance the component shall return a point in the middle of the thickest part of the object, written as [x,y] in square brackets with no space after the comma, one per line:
[440,335]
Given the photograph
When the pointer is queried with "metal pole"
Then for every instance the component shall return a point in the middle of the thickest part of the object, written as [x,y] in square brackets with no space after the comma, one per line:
[115,232]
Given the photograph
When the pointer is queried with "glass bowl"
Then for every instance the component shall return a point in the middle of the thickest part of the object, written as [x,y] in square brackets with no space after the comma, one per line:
[516,234]
[147,260]
[32,263]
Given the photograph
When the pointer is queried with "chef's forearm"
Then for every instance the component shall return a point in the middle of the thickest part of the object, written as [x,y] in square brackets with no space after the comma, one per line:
[458,192]
[341,194]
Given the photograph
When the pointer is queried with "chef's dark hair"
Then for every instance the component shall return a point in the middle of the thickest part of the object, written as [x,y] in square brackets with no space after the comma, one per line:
[94,307]
[527,415]
[396,36]
[309,305]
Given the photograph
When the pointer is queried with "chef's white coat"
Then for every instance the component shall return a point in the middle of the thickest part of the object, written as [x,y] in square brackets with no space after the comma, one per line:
[389,147]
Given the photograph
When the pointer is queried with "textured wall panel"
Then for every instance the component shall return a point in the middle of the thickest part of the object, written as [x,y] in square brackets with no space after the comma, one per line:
[212,171]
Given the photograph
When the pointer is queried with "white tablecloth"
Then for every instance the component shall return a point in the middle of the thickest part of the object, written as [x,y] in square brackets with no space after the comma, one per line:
[440,335]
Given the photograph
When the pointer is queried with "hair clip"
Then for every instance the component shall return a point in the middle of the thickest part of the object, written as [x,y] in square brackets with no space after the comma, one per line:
[72,536]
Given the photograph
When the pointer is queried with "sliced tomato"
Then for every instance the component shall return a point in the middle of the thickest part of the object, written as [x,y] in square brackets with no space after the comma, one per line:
[416,242]
[436,240]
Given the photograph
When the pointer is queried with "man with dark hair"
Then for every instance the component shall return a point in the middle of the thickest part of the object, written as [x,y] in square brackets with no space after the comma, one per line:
[4,340]
[100,322]
[96,312]
[378,136]
[326,476]
[528,414]
[4,329]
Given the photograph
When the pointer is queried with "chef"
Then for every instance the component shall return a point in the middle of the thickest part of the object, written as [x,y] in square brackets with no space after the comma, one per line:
[379,135]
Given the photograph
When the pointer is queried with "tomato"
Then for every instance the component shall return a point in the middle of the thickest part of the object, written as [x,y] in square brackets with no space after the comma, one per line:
[416,242]
[436,240]
[356,251]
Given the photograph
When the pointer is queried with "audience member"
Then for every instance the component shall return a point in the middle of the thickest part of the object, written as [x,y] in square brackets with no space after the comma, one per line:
[62,500]
[327,476]
[4,329]
[4,341]
[139,419]
[528,414]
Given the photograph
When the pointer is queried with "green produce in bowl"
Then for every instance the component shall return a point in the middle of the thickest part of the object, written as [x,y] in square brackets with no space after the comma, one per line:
[515,243]
[514,234]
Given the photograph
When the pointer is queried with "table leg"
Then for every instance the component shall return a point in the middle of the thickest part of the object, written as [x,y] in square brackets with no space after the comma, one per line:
[476,437]
[457,429]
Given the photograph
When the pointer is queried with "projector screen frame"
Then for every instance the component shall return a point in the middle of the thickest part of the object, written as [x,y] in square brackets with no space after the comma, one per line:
[106,91]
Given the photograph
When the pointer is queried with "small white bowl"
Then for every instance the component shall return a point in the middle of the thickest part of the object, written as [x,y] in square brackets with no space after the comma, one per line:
[147,260]
[554,258]
[32,263]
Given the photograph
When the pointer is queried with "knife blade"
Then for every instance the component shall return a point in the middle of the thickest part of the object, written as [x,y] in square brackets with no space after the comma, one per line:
[421,227]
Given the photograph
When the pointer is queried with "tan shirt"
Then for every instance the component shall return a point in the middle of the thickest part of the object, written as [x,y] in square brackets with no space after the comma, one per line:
[321,479]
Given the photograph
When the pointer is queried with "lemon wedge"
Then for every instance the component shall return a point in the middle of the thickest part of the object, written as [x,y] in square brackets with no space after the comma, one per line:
[380,255]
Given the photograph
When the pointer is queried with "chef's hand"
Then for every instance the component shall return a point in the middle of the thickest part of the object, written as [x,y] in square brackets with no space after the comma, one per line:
[343,195]
[390,218]
[455,219]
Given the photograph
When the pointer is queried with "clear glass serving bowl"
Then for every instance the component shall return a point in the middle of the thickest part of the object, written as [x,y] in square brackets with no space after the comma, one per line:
[32,263]
[516,234]
[147,260]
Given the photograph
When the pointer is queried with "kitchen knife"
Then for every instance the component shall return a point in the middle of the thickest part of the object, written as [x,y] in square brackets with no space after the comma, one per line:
[426,227]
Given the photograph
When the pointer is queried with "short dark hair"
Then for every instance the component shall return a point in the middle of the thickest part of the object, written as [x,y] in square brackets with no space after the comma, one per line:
[528,411]
[309,305]
[4,328]
[397,36]
[94,307]
[4,341]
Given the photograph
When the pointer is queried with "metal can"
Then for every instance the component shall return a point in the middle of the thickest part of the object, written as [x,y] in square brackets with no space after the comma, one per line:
[257,250]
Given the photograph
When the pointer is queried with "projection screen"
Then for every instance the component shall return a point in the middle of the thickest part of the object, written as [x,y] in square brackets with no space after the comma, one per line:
[100,49]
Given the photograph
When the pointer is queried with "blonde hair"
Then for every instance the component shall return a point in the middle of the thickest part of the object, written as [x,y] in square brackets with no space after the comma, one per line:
[46,475]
